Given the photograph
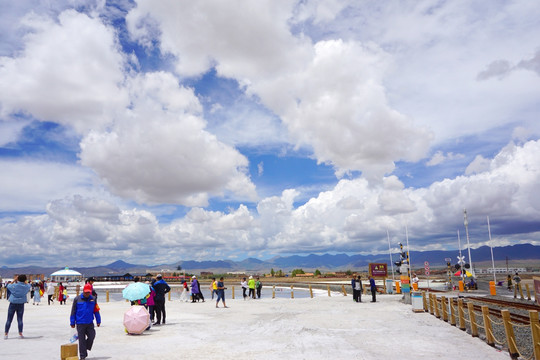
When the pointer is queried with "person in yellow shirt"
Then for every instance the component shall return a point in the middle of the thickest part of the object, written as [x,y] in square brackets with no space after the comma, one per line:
[213,287]
[64,296]
[251,285]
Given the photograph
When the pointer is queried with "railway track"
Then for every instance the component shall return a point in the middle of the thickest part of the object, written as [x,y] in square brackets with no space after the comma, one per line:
[496,305]
[506,303]
[509,305]
[519,321]
[517,318]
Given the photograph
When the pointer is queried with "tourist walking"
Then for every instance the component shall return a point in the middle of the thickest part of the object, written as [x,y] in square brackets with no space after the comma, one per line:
[509,282]
[60,293]
[194,289]
[83,311]
[244,285]
[63,295]
[359,288]
[251,285]
[517,280]
[354,292]
[50,292]
[151,303]
[213,287]
[161,288]
[18,296]
[258,286]
[373,289]
[200,294]
[185,292]
[42,287]
[8,293]
[37,294]
[220,292]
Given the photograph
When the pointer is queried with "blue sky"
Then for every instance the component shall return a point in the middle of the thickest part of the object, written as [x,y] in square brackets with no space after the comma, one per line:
[159,132]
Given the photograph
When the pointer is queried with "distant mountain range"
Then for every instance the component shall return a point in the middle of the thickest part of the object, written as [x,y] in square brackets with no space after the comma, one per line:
[325,263]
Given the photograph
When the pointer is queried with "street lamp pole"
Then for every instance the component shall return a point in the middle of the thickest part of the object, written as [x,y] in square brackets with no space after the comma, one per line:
[466,222]
[390,252]
[408,253]
[491,246]
[461,262]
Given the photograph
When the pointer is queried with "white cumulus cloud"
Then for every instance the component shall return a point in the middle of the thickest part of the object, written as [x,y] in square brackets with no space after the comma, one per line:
[160,152]
[70,72]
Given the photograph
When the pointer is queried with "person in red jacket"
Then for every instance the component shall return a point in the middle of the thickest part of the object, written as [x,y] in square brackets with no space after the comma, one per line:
[60,293]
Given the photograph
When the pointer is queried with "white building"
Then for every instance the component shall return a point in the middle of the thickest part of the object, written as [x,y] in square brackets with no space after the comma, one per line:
[66,275]
[500,270]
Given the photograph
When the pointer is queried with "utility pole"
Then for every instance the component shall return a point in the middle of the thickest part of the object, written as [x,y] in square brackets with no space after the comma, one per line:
[461,260]
[466,223]
[491,247]
[390,252]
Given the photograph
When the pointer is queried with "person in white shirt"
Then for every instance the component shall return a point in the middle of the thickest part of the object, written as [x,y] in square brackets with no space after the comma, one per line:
[358,287]
[50,292]
[415,280]
[244,287]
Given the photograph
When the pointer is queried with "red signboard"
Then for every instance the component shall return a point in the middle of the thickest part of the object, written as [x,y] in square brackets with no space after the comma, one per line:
[378,270]
[537,289]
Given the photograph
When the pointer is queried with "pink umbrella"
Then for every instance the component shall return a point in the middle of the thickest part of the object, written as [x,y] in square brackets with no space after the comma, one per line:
[136,319]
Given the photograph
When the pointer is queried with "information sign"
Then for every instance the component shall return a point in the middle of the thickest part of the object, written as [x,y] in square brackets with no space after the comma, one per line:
[378,270]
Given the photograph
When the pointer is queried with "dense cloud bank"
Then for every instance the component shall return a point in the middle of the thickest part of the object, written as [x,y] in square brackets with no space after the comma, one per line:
[349,217]
[151,113]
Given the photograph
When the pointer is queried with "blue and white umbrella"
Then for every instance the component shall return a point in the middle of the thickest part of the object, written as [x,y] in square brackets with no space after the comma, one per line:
[136,291]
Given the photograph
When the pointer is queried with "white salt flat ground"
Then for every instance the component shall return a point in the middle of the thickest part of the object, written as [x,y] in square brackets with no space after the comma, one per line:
[320,328]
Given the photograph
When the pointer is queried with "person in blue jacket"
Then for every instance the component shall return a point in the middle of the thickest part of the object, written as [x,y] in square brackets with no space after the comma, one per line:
[221,292]
[161,288]
[18,297]
[353,285]
[373,289]
[83,311]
